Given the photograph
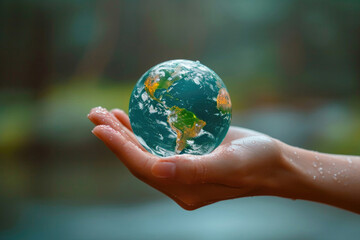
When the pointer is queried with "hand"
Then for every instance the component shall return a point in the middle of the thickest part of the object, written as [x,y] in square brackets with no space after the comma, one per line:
[245,164]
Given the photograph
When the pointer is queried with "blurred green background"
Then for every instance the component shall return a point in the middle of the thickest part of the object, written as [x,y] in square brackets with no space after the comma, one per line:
[292,69]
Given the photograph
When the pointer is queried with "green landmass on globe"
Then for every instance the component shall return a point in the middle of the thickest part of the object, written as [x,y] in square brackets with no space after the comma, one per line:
[172,105]
[185,124]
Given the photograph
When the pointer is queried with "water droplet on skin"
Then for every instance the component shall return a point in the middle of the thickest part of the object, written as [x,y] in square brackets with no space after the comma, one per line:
[295,152]
[233,147]
[333,164]
[253,141]
[314,177]
[314,164]
[349,160]
[317,157]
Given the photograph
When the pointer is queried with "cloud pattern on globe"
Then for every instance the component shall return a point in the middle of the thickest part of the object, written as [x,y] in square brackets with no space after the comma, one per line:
[180,106]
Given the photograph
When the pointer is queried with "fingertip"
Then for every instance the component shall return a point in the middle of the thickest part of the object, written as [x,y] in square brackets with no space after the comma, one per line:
[122,116]
[95,113]
[98,109]
[117,110]
[104,131]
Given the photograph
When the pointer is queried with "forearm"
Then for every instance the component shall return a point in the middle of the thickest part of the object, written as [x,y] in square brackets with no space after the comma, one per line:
[326,178]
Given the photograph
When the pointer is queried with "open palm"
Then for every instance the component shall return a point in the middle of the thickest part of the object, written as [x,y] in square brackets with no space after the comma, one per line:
[238,167]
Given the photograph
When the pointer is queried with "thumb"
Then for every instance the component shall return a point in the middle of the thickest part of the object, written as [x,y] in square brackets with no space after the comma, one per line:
[188,169]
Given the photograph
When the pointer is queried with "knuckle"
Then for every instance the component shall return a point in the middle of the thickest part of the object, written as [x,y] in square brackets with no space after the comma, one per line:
[197,170]
[200,171]
[143,169]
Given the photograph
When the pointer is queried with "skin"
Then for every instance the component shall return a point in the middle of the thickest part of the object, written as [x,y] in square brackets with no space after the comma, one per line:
[247,163]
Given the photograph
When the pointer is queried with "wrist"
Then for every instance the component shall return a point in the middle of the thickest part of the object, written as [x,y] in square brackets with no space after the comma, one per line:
[290,178]
[302,174]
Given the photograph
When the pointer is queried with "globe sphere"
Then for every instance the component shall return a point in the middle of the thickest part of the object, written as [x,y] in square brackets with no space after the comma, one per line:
[178,107]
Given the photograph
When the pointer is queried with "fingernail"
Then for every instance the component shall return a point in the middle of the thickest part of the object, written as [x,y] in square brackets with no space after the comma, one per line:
[164,169]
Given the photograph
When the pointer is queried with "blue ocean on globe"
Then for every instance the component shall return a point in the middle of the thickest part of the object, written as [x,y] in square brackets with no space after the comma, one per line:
[178,107]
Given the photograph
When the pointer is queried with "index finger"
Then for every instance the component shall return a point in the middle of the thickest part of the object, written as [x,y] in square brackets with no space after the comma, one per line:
[135,159]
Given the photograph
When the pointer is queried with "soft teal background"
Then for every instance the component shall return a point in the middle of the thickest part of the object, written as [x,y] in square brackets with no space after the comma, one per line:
[292,69]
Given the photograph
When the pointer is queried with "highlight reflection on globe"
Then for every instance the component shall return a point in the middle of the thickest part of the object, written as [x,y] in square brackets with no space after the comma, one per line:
[180,106]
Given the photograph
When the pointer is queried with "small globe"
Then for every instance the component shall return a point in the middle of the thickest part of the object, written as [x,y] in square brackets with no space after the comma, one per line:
[180,106]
